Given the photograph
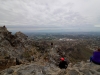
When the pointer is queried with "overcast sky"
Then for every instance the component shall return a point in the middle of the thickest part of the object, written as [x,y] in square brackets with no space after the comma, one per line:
[50,15]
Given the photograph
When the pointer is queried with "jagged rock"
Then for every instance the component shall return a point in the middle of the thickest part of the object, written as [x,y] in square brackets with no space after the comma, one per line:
[3,29]
[5,43]
[21,36]
[13,45]
[33,69]
[51,69]
[92,71]
[10,71]
[73,72]
[98,70]
[86,68]
[85,71]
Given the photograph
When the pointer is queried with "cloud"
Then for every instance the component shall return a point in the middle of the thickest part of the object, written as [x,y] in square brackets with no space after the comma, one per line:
[96,25]
[49,14]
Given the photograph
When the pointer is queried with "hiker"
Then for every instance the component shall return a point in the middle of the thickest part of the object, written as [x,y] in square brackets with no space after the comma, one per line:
[96,57]
[63,64]
[51,44]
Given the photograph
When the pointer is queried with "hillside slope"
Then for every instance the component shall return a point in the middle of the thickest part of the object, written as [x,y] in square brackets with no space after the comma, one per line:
[20,55]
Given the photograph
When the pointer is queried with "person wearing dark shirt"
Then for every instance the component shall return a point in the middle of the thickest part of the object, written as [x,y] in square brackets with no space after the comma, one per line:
[63,64]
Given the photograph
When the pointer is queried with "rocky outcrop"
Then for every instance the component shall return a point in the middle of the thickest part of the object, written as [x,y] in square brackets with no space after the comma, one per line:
[22,37]
[80,68]
[3,29]
[14,46]
[32,69]
[84,68]
[6,63]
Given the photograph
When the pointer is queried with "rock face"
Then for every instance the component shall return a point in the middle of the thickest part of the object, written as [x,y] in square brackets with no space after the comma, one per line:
[5,63]
[84,68]
[21,36]
[12,47]
[32,69]
[80,68]
[3,29]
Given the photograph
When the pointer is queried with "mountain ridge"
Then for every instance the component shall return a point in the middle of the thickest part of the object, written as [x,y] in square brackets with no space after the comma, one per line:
[19,55]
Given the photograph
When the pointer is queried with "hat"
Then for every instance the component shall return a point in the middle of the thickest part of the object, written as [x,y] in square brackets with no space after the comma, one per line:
[62,59]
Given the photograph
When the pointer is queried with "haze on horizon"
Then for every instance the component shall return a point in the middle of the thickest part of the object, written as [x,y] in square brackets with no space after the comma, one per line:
[50,15]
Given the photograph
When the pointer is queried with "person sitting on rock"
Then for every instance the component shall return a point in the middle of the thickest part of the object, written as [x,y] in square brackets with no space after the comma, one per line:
[96,57]
[63,64]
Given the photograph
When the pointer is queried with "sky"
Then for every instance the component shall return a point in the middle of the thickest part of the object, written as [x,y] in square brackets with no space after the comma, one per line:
[50,15]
